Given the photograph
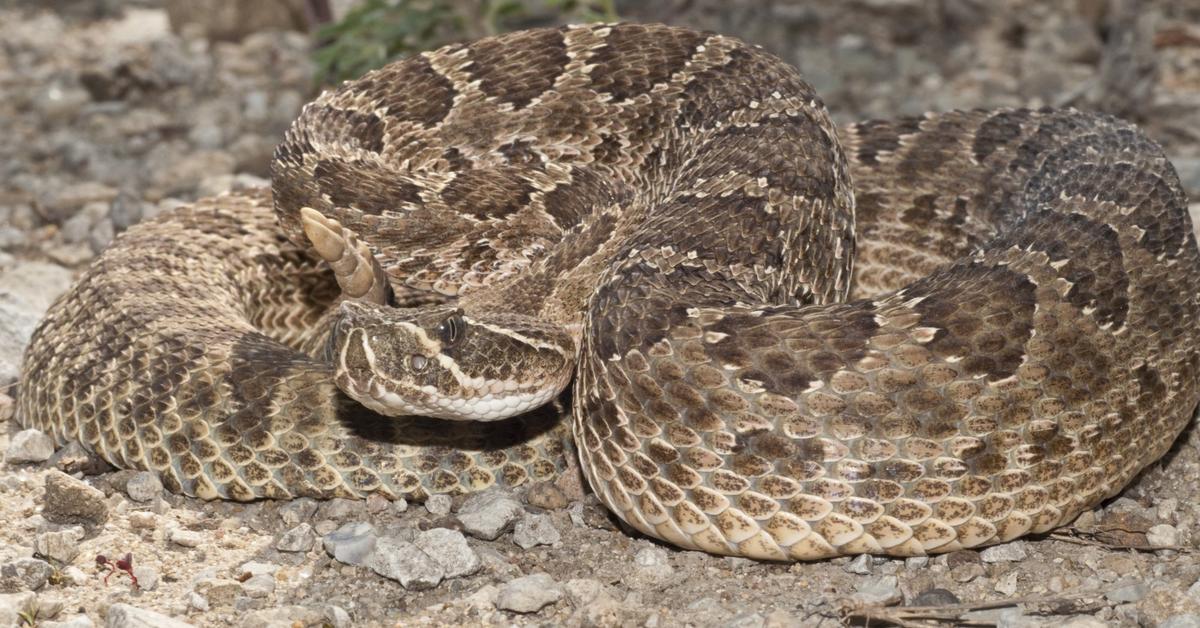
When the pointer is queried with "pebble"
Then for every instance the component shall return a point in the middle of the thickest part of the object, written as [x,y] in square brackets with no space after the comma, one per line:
[438,504]
[1128,590]
[880,591]
[31,573]
[62,203]
[1005,553]
[76,576]
[405,563]
[68,500]
[255,568]
[935,597]
[580,591]
[338,509]
[144,486]
[298,539]
[185,538]
[1008,617]
[653,563]
[298,510]
[337,617]
[282,616]
[147,577]
[1187,620]
[861,565]
[60,545]
[449,549]
[1007,584]
[259,586]
[218,592]
[547,496]
[352,543]
[126,616]
[73,458]
[483,599]
[532,530]
[1193,591]
[487,515]
[13,604]
[198,602]
[528,594]
[1162,535]
[377,503]
[400,505]
[967,572]
[746,620]
[143,520]
[125,210]
[78,621]
[183,173]
[602,611]
[77,227]
[29,446]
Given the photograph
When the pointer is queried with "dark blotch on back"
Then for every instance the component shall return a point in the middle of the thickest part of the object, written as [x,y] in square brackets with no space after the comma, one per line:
[1001,304]
[883,136]
[1094,260]
[364,185]
[997,131]
[520,67]
[488,193]
[637,57]
[417,77]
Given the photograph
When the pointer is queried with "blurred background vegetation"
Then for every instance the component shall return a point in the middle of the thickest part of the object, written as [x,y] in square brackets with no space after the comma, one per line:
[377,31]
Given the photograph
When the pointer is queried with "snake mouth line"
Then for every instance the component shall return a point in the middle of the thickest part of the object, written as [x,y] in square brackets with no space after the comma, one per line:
[494,400]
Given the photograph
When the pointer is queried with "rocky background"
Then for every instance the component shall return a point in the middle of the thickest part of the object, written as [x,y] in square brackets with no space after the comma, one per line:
[113,111]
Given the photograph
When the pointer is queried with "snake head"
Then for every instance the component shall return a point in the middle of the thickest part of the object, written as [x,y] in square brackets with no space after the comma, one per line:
[437,362]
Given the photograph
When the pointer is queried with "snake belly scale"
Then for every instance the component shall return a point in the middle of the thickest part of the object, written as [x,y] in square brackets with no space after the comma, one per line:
[788,340]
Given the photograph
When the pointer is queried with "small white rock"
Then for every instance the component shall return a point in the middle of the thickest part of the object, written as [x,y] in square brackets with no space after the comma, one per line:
[126,616]
[1005,553]
[337,616]
[532,530]
[144,520]
[185,537]
[197,601]
[299,539]
[449,549]
[488,514]
[260,586]
[405,563]
[29,446]
[143,486]
[1162,535]
[881,591]
[352,543]
[528,594]
[438,504]
[147,577]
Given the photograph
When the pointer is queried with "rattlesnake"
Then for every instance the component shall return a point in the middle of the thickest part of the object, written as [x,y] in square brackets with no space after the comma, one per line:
[669,215]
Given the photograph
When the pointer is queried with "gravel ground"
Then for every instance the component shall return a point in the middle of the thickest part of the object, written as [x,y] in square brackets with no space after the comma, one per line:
[109,117]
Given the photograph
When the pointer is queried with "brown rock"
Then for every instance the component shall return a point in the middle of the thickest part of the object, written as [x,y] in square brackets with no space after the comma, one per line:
[68,500]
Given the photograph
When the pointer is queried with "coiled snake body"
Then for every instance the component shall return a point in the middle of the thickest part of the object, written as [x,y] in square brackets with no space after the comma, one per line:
[672,216]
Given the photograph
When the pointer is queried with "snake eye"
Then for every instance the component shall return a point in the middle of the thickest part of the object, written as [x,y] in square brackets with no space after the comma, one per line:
[418,363]
[451,329]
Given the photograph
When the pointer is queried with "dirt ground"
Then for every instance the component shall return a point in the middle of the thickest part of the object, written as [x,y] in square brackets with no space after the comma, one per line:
[110,116]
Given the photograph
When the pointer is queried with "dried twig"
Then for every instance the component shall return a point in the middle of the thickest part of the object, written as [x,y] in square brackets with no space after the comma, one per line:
[937,616]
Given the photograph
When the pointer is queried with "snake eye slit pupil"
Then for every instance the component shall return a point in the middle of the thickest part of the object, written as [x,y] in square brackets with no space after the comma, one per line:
[451,329]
